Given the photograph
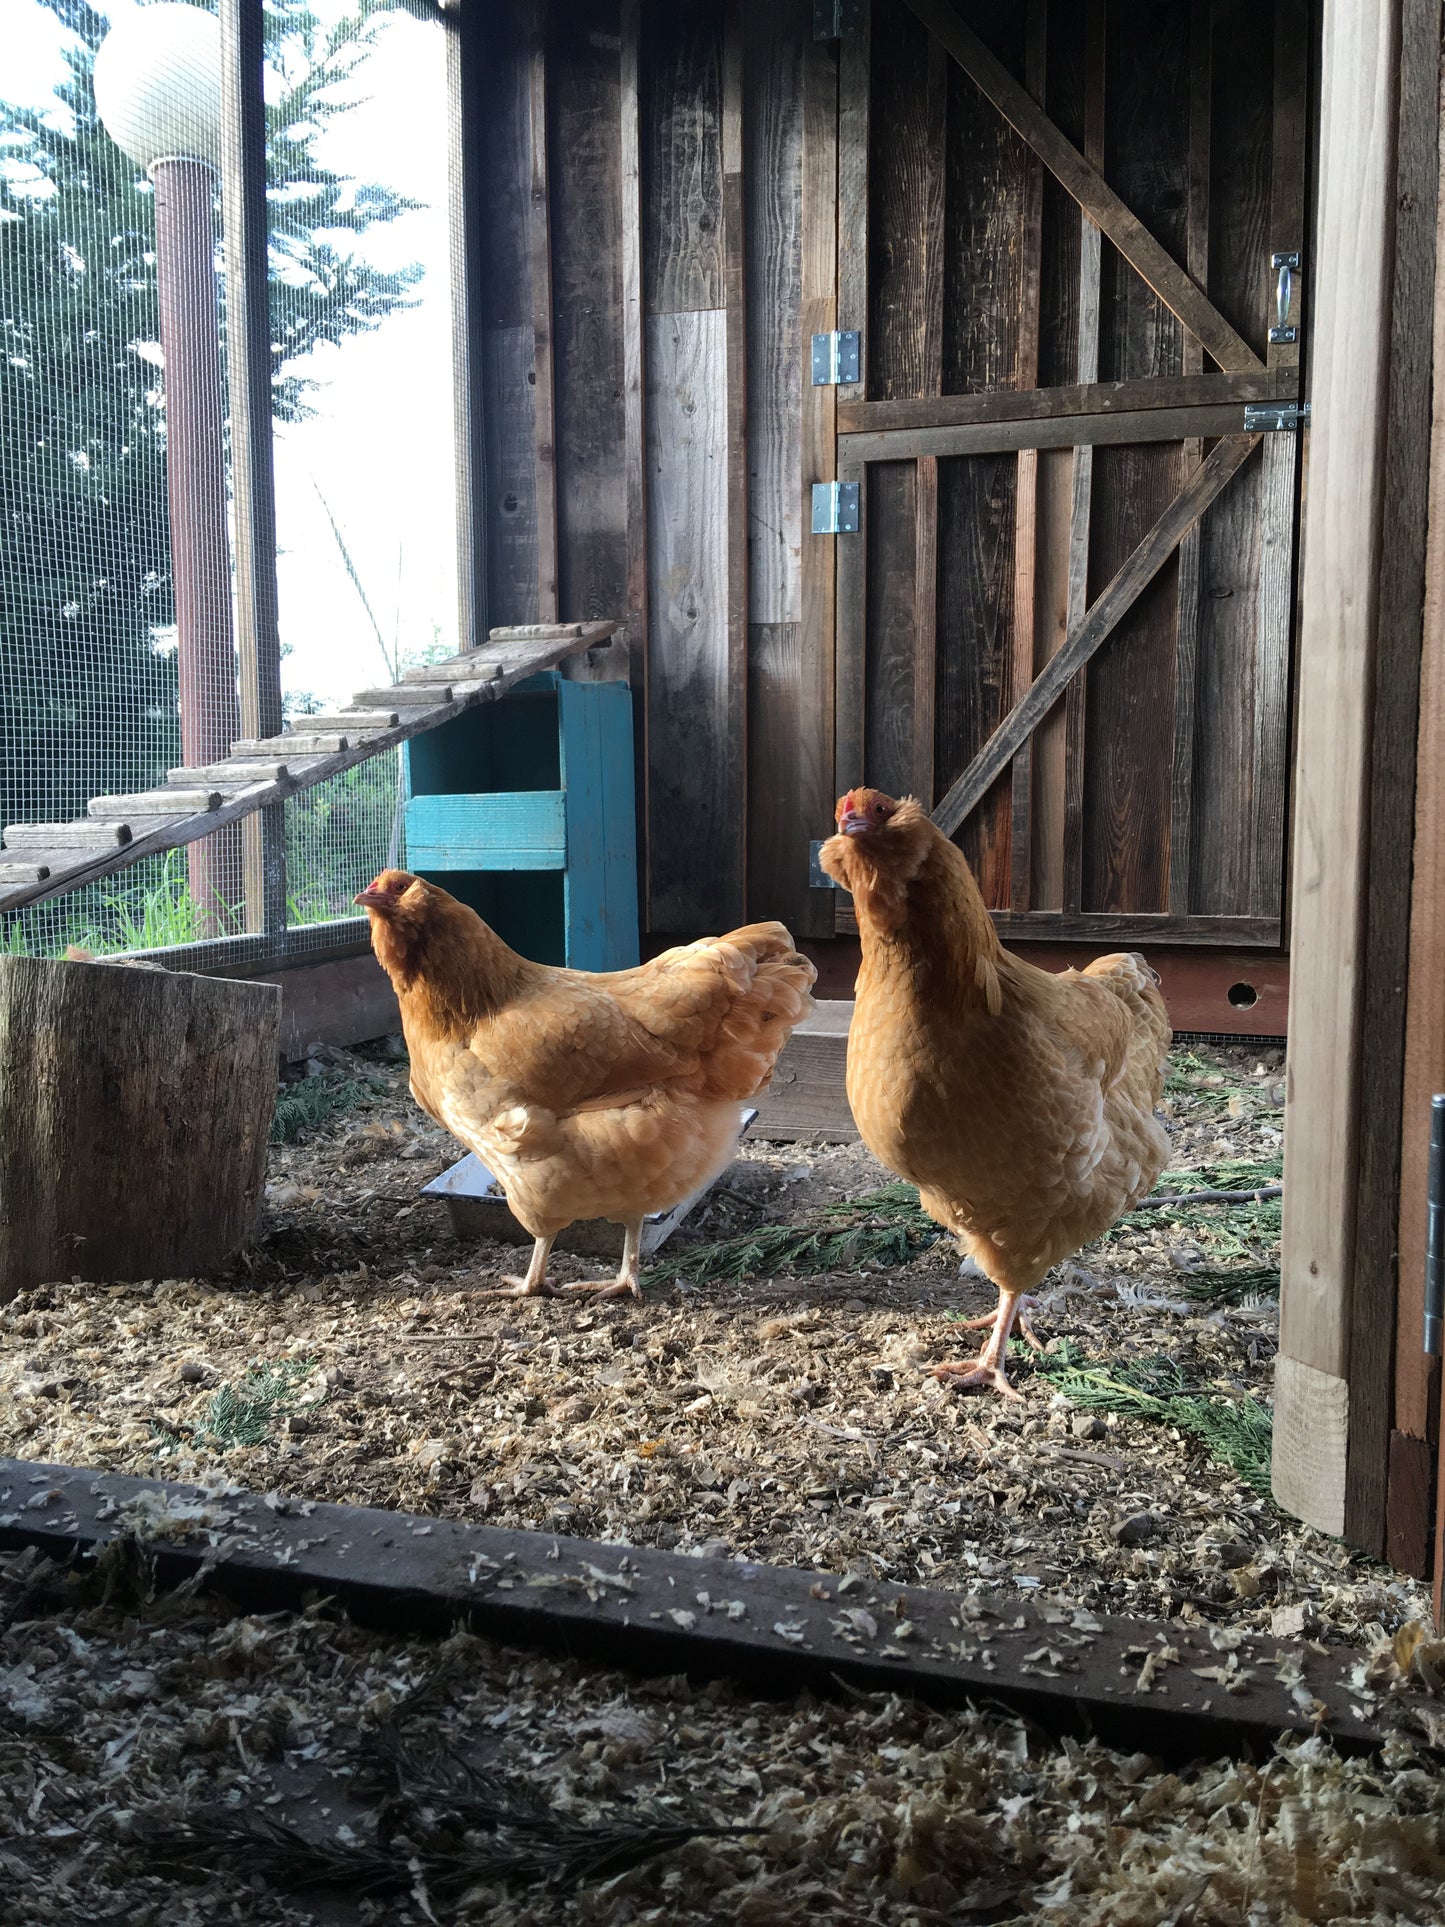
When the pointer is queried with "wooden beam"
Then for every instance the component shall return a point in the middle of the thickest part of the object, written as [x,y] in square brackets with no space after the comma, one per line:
[1078,398]
[1026,496]
[634,391]
[253,483]
[851,554]
[1110,606]
[539,250]
[1081,477]
[1391,806]
[1336,672]
[1088,187]
[776,1625]
[1056,431]
[466,183]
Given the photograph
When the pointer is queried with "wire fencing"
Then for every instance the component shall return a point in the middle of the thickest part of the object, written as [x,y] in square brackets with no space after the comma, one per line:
[118,509]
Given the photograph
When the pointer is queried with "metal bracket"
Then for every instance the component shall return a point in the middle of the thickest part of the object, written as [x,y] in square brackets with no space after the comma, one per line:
[1285,264]
[835,508]
[836,358]
[818,878]
[1269,417]
[834,19]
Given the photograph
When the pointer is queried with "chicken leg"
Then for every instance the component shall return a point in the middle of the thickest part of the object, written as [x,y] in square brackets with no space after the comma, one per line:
[627,1281]
[536,1283]
[988,1367]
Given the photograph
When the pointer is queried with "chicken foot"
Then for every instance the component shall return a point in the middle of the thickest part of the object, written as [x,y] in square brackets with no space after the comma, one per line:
[627,1283]
[988,1367]
[536,1283]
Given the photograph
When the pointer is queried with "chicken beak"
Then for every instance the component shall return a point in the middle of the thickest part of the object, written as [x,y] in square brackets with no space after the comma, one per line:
[370,898]
[851,824]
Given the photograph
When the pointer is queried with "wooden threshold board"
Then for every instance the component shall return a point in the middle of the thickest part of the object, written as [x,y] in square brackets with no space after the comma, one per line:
[655,1612]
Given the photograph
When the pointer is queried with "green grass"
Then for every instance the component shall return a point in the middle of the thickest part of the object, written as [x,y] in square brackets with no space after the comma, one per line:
[1237,1431]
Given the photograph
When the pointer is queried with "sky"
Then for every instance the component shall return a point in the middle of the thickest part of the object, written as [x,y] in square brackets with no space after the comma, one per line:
[379,453]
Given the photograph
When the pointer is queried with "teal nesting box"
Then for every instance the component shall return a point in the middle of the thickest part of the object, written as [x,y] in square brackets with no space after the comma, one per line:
[524,808]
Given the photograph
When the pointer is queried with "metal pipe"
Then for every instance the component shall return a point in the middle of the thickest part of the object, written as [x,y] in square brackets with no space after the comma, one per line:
[196,488]
[1435,1232]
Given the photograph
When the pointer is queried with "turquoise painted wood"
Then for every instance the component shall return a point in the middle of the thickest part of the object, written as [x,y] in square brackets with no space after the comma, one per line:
[497,830]
[525,809]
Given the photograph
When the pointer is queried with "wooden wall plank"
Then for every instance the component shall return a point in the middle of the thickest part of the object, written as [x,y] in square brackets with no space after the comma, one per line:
[1053,509]
[1351,328]
[779,820]
[1190,582]
[977,500]
[902,340]
[508,343]
[1026,483]
[890,625]
[1391,804]
[1417,1379]
[589,358]
[925,625]
[1127,783]
[811,910]
[694,412]
[539,267]
[851,558]
[683,219]
[694,840]
[633,411]
[1081,499]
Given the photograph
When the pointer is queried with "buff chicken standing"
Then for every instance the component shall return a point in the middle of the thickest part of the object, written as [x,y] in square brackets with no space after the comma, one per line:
[1020,1102]
[587,1094]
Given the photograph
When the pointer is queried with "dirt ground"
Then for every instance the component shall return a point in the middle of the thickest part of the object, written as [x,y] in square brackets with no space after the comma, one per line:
[354,1356]
[784,1418]
[166,1764]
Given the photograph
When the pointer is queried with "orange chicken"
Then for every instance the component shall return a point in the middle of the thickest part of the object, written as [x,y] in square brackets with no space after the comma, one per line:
[1020,1102]
[607,1095]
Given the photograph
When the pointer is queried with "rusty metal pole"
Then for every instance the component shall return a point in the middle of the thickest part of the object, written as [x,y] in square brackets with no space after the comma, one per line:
[196,488]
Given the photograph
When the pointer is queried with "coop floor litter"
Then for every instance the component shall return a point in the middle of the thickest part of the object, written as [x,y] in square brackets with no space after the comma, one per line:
[124,1718]
[352,1357]
[785,1418]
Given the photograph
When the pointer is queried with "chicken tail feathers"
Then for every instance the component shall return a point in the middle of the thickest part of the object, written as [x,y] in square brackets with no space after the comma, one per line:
[774,996]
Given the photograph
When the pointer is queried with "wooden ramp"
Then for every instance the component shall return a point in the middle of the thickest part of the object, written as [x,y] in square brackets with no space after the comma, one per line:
[41,860]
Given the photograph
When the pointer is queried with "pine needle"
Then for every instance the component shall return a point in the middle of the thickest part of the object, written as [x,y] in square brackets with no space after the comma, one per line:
[1215,1285]
[304,1107]
[887,1226]
[243,1414]
[1238,1432]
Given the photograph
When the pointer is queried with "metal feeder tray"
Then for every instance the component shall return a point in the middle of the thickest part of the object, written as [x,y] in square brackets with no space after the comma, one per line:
[477,1206]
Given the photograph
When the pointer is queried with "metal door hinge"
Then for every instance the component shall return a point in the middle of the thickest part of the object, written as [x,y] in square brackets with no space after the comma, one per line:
[836,358]
[818,878]
[1285,265]
[835,508]
[833,19]
[1268,417]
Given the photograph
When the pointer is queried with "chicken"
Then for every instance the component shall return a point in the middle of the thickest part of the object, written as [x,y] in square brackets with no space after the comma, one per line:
[588,1096]
[1021,1103]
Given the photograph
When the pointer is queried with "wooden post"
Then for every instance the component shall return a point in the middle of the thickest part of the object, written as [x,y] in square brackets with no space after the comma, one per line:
[135,1105]
[248,358]
[1351,303]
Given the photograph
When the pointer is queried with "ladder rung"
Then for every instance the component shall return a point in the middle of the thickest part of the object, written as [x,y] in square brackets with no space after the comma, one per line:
[301,743]
[20,874]
[359,722]
[537,632]
[411,697]
[157,803]
[89,834]
[227,777]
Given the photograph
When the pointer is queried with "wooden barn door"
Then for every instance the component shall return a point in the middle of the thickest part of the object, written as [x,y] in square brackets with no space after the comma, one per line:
[1065,622]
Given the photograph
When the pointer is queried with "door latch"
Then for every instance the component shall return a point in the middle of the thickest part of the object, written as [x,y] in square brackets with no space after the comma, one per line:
[1270,417]
[835,508]
[1286,266]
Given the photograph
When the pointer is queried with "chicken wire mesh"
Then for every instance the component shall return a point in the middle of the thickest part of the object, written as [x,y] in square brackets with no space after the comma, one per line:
[117,633]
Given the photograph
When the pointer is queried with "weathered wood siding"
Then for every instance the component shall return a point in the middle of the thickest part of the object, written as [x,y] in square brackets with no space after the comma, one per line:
[678,196]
